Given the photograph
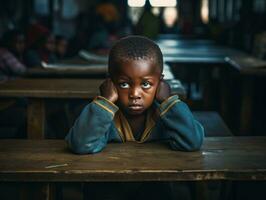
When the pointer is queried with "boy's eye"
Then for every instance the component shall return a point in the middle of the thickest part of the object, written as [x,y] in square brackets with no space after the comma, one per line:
[146,85]
[124,85]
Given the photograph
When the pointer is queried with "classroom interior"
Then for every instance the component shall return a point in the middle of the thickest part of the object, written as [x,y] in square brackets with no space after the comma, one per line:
[54,56]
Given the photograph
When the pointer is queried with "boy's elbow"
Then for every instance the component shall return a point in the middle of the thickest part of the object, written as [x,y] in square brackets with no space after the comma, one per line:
[190,146]
[78,146]
[194,146]
[192,143]
[86,148]
[196,141]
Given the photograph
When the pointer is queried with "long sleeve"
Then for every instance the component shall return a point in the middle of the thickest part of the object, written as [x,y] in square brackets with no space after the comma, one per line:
[90,131]
[182,130]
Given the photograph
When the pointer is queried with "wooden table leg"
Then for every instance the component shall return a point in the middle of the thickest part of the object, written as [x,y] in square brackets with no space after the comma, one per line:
[246,105]
[207,88]
[36,118]
[225,92]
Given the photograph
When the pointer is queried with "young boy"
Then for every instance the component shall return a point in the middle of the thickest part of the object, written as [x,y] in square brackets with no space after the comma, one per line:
[135,104]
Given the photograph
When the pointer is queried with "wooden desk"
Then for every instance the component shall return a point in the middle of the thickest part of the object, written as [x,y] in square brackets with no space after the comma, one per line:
[177,42]
[221,158]
[79,71]
[250,69]
[68,70]
[248,65]
[194,59]
[196,53]
[39,90]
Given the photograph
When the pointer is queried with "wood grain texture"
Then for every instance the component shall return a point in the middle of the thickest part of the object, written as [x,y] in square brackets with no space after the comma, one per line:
[51,88]
[221,158]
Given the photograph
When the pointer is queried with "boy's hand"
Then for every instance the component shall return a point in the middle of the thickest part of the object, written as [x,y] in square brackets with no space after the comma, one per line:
[163,91]
[108,90]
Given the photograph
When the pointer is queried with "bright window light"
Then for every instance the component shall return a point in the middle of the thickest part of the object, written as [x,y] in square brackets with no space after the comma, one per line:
[163,3]
[155,11]
[170,16]
[136,3]
[205,11]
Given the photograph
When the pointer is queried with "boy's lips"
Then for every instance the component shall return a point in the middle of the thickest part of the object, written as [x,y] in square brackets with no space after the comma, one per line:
[135,107]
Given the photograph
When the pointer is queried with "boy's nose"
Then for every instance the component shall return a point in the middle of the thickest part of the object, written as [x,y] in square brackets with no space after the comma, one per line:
[134,93]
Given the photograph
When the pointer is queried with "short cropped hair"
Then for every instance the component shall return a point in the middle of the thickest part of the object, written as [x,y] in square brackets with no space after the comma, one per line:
[134,48]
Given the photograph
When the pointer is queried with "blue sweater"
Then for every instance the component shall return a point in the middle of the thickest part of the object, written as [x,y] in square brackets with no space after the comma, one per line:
[102,122]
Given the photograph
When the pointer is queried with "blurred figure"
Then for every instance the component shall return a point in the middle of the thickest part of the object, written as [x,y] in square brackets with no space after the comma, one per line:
[12,111]
[12,48]
[61,46]
[9,65]
[148,24]
[14,41]
[42,47]
[105,27]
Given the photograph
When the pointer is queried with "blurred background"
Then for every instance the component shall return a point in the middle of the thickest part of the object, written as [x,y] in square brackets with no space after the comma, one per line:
[53,57]
[214,54]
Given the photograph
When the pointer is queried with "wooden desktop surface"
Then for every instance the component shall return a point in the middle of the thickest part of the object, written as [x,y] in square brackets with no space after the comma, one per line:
[221,158]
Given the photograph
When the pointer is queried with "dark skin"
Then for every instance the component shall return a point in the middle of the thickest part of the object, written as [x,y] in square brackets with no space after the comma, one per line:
[133,87]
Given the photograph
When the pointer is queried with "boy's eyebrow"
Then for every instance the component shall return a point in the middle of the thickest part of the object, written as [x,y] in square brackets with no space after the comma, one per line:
[128,78]
[123,77]
[148,77]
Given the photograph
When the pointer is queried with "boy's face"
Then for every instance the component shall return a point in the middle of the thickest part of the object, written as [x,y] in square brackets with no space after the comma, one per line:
[136,82]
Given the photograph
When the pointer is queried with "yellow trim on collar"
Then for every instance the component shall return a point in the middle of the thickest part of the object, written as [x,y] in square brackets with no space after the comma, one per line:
[125,131]
[118,127]
[148,126]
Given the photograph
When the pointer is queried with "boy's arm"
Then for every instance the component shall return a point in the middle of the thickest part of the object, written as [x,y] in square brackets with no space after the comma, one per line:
[90,131]
[182,130]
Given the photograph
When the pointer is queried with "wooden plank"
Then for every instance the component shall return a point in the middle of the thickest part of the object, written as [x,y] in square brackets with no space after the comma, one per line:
[221,158]
[51,88]
[248,65]
[68,70]
[244,61]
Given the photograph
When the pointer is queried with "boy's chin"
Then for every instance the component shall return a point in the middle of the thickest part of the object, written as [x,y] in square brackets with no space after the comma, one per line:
[135,112]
